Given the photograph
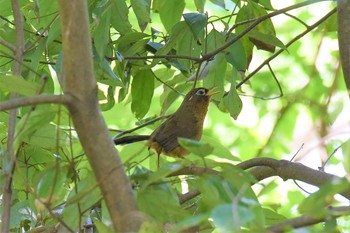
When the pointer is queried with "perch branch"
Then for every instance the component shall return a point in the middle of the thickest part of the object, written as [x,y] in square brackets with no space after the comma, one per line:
[262,168]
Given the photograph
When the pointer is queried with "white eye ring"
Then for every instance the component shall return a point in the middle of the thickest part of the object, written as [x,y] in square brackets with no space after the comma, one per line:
[201,91]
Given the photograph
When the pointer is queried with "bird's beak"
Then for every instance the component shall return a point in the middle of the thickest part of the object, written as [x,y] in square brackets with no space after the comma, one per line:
[212,92]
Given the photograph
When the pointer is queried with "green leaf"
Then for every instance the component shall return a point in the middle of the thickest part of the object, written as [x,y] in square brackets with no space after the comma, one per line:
[17,84]
[181,41]
[129,40]
[45,136]
[199,148]
[236,54]
[101,32]
[169,96]
[28,125]
[219,150]
[142,12]
[230,218]
[196,22]
[220,3]
[142,88]
[49,184]
[170,12]
[119,18]
[103,71]
[54,32]
[86,193]
[252,11]
[200,5]
[266,38]
[110,99]
[232,102]
[161,173]
[272,217]
[155,198]
[216,74]
[316,203]
[190,221]
[103,227]
[266,4]
[215,40]
[346,151]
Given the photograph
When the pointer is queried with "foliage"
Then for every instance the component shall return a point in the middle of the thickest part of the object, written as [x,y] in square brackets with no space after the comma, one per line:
[279,91]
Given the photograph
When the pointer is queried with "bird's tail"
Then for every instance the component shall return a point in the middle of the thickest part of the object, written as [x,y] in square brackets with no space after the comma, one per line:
[130,139]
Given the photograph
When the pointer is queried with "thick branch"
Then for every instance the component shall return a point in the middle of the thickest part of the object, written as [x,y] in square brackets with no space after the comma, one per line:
[263,168]
[79,82]
[34,100]
[267,167]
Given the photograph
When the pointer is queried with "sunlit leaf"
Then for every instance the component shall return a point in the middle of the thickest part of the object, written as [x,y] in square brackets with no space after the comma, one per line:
[17,84]
[232,102]
[346,159]
[142,12]
[170,12]
[33,121]
[199,148]
[316,203]
[101,32]
[142,88]
[265,40]
[119,18]
[200,5]
[236,55]
[216,75]
[196,22]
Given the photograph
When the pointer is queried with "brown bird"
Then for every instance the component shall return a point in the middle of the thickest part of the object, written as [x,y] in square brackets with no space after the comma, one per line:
[186,122]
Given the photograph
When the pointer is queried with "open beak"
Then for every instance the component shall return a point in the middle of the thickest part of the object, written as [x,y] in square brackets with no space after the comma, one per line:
[212,92]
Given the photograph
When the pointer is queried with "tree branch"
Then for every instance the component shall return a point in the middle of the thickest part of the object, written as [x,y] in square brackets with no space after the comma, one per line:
[35,100]
[9,158]
[262,168]
[8,45]
[308,29]
[267,167]
[79,82]
[307,220]
[210,55]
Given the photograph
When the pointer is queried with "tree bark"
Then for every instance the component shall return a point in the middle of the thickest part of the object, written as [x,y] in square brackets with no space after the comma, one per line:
[79,83]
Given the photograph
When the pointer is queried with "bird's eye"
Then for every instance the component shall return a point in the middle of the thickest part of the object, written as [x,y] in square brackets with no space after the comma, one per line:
[201,92]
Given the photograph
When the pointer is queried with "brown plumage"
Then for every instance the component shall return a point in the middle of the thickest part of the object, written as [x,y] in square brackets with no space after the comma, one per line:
[186,122]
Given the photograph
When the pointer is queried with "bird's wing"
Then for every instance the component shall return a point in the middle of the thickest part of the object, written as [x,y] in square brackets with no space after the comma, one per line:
[166,135]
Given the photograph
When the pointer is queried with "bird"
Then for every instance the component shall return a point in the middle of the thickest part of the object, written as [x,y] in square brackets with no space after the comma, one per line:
[186,122]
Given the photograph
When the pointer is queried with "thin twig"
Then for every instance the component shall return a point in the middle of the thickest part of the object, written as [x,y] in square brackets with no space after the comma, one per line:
[286,46]
[296,153]
[35,100]
[160,56]
[8,45]
[308,220]
[140,126]
[254,24]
